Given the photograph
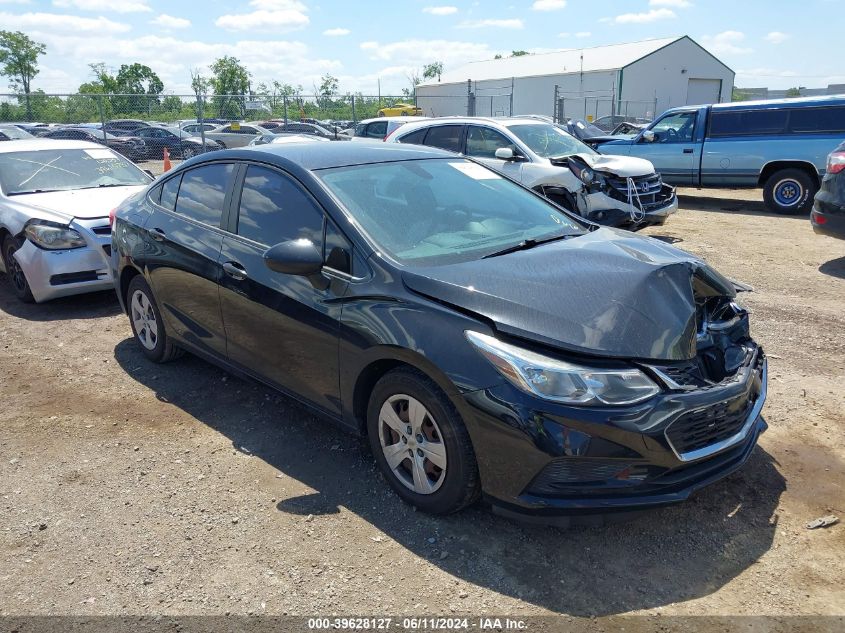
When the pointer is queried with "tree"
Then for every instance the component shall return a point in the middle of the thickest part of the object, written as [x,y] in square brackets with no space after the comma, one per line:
[327,90]
[432,70]
[793,92]
[230,80]
[518,53]
[497,56]
[137,79]
[19,62]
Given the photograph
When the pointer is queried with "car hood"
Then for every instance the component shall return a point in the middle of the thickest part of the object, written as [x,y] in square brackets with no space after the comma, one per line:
[622,166]
[607,293]
[78,203]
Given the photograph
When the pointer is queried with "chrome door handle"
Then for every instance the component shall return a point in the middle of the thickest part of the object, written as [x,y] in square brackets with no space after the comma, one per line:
[235,270]
[688,151]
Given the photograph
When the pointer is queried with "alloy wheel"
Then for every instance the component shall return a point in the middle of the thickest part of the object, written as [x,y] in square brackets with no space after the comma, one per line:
[412,444]
[144,320]
[14,270]
[788,192]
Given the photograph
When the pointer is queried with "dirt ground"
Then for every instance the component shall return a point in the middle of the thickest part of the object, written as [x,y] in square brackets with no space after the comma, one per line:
[129,488]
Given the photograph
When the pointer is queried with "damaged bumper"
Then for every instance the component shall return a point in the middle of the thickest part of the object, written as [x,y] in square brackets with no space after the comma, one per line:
[61,273]
[609,212]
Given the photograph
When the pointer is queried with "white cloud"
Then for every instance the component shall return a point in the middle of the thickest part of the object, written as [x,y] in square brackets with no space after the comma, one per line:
[269,15]
[440,10]
[726,43]
[419,52]
[583,34]
[336,32]
[678,4]
[776,37]
[501,24]
[644,18]
[548,5]
[118,6]
[170,22]
[15,1]
[564,34]
[56,23]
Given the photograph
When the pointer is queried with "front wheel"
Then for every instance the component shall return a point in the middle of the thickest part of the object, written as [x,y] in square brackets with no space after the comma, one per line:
[188,152]
[421,444]
[147,324]
[14,272]
[790,192]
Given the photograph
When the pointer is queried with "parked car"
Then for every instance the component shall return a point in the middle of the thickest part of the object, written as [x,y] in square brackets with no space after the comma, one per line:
[611,190]
[195,129]
[179,146]
[482,338]
[133,147]
[779,145]
[235,134]
[268,139]
[55,199]
[400,109]
[300,127]
[381,128]
[120,127]
[13,133]
[828,216]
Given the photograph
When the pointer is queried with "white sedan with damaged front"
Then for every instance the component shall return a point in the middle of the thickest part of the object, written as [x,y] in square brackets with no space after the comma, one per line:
[55,200]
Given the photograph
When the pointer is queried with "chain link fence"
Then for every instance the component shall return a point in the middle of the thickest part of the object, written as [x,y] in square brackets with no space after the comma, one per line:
[593,108]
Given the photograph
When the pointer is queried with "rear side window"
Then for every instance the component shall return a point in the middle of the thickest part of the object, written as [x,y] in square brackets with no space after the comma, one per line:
[168,193]
[203,191]
[377,129]
[445,137]
[817,120]
[274,208]
[415,138]
[748,123]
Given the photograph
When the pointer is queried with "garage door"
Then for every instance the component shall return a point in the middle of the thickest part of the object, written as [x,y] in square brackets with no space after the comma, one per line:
[703,91]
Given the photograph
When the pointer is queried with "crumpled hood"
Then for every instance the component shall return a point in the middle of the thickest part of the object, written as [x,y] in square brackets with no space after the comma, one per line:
[78,203]
[607,293]
[623,166]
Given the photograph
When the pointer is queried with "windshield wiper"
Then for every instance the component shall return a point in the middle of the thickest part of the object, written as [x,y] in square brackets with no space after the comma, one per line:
[525,245]
[114,184]
[23,193]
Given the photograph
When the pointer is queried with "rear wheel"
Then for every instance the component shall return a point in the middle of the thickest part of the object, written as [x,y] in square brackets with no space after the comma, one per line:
[790,192]
[421,444]
[147,324]
[14,272]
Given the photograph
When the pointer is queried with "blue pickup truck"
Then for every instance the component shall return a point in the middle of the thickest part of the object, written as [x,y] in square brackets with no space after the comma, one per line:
[781,146]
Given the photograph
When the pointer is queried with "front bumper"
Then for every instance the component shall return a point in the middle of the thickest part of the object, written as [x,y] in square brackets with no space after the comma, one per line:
[543,460]
[61,273]
[610,212]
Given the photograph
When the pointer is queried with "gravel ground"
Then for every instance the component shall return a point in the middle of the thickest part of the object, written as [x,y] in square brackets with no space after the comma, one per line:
[129,488]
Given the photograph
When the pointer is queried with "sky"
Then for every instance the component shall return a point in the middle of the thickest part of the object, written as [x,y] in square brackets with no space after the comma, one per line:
[769,43]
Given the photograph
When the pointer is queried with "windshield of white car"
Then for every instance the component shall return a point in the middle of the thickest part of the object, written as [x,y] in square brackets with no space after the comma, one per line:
[549,141]
[65,170]
[442,211]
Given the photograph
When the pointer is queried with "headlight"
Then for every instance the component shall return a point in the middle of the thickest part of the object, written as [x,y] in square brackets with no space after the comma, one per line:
[52,236]
[584,173]
[560,381]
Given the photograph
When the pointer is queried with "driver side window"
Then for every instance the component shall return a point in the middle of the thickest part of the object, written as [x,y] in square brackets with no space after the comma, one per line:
[483,142]
[675,128]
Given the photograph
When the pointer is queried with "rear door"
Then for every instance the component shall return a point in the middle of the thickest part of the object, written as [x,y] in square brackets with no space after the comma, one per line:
[283,328]
[675,152]
[448,137]
[184,238]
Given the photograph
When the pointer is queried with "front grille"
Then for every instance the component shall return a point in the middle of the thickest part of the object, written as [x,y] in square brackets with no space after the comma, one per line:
[701,428]
[564,473]
[653,194]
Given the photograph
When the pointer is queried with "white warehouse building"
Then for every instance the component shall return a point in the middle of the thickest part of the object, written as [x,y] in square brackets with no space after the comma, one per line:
[639,79]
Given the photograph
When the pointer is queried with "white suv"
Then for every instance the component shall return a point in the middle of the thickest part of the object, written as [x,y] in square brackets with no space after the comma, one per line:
[611,190]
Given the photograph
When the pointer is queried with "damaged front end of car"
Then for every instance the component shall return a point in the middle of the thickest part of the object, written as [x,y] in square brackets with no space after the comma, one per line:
[615,196]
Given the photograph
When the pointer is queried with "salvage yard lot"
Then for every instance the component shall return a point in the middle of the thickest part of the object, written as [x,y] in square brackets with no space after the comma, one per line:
[133,488]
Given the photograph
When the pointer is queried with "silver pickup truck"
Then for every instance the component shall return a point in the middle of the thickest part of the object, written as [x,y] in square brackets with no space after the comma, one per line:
[781,146]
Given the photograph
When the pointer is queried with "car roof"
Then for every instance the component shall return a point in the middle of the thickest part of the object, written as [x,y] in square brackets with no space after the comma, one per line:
[41,144]
[408,119]
[312,156]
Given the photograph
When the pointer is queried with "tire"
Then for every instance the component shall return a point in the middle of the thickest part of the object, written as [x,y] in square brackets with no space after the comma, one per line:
[380,113]
[188,152]
[221,144]
[790,192]
[14,272]
[147,324]
[439,430]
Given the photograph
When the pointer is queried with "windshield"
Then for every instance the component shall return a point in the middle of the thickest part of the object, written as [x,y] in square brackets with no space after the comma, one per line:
[14,132]
[66,169]
[441,211]
[549,141]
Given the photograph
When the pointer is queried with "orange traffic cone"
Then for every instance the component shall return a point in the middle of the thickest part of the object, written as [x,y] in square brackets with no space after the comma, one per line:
[167,165]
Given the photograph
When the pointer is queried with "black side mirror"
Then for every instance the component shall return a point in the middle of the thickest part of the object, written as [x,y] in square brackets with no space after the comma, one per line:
[294,257]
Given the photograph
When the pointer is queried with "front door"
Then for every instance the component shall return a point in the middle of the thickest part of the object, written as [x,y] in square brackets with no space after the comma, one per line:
[673,152]
[281,327]
[482,143]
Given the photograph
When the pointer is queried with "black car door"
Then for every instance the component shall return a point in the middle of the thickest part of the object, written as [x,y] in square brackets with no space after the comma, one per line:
[283,328]
[184,239]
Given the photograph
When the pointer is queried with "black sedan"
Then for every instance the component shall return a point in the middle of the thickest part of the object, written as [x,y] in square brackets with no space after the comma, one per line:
[484,340]
[132,147]
[828,216]
[178,145]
